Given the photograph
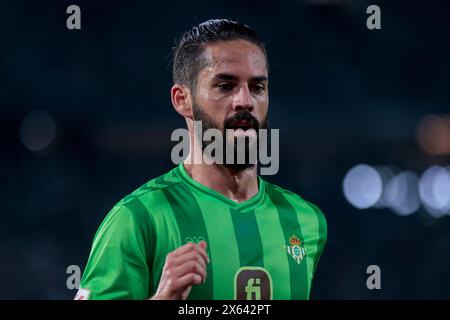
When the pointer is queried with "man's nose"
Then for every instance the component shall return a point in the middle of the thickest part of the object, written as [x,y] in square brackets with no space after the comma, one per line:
[243,99]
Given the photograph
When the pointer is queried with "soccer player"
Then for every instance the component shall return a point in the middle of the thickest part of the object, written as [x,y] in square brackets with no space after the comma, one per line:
[210,230]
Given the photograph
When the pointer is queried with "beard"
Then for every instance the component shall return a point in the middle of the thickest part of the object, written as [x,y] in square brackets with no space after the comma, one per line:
[243,115]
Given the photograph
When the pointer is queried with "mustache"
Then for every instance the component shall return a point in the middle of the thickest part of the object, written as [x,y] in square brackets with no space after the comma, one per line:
[240,116]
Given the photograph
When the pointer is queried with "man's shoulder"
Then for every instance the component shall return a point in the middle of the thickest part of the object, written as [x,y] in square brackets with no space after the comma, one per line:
[306,209]
[149,190]
[291,197]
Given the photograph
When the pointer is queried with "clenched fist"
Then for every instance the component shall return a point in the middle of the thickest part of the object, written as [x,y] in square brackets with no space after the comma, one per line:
[184,267]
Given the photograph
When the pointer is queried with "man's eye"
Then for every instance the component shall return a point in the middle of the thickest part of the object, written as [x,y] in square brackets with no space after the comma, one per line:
[225,86]
[258,89]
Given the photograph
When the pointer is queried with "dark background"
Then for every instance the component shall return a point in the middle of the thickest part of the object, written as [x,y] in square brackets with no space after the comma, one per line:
[340,93]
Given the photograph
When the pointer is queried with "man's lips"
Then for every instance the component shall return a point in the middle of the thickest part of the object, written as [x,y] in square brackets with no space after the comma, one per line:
[241,124]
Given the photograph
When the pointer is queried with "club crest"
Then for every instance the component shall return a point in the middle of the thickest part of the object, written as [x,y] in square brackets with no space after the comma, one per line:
[296,249]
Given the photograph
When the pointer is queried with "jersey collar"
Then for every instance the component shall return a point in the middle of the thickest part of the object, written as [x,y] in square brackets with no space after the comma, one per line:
[255,200]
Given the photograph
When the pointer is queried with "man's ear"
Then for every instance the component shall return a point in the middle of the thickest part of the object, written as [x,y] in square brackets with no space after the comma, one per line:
[182,100]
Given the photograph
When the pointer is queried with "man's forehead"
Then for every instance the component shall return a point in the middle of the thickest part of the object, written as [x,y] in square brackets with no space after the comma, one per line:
[236,54]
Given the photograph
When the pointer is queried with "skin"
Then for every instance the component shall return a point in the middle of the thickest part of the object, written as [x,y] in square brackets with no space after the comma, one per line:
[235,78]
[183,268]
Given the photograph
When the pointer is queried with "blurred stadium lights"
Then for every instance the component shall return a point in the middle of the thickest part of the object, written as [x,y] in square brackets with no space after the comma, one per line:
[403,193]
[386,174]
[433,134]
[401,190]
[38,130]
[434,190]
[363,186]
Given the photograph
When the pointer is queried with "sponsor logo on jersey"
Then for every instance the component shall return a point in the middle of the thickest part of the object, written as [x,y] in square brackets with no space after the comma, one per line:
[296,249]
[252,283]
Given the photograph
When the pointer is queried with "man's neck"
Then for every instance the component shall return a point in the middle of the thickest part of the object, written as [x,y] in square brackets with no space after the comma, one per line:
[237,185]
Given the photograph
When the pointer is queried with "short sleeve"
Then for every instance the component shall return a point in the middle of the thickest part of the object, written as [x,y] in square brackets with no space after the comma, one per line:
[120,259]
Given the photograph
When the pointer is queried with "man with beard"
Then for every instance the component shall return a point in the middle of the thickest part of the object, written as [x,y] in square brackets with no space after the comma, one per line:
[210,230]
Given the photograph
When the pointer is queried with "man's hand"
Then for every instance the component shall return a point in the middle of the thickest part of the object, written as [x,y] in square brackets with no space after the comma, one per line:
[184,267]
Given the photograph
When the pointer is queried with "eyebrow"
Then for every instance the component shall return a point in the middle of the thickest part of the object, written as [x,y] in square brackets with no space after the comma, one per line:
[230,77]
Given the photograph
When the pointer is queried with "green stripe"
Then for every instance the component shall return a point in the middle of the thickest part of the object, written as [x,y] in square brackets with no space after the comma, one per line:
[275,259]
[223,248]
[314,229]
[290,225]
[166,230]
[310,226]
[135,206]
[191,225]
[247,238]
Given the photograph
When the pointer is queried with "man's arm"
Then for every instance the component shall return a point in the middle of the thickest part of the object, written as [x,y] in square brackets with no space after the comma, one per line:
[119,262]
[118,265]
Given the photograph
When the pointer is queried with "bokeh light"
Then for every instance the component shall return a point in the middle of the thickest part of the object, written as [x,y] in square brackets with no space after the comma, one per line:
[386,173]
[402,193]
[433,134]
[434,191]
[38,130]
[362,186]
